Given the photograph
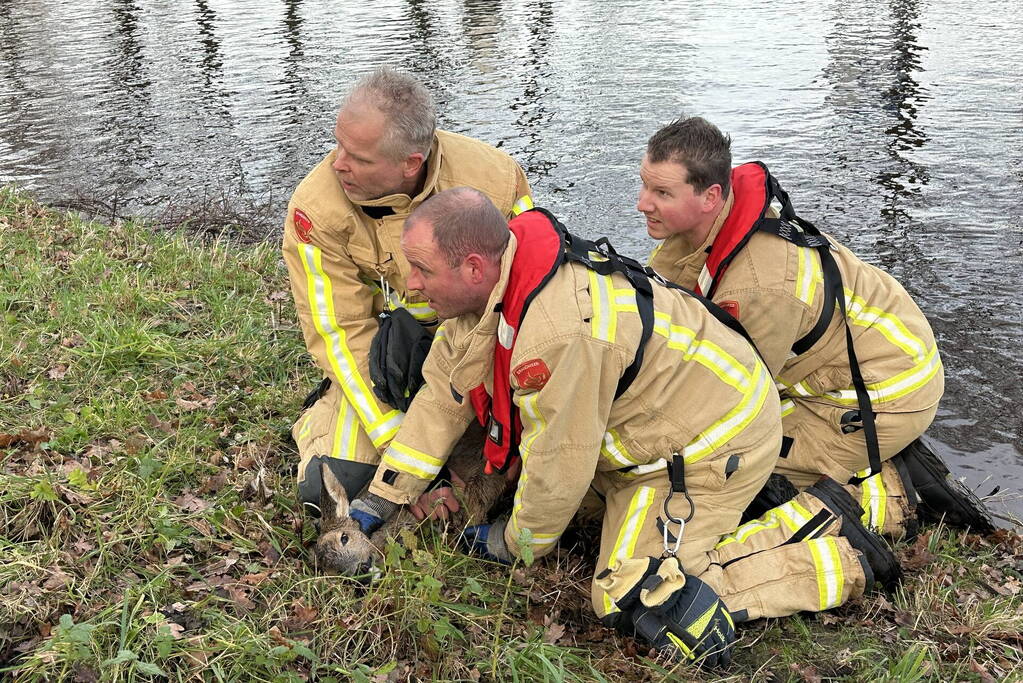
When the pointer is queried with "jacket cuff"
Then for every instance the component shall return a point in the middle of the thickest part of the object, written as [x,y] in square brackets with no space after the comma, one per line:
[397,487]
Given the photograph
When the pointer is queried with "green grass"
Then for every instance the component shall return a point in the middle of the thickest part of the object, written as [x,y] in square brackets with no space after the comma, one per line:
[149,528]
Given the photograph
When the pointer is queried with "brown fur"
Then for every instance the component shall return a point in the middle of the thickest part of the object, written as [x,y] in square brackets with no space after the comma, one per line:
[342,547]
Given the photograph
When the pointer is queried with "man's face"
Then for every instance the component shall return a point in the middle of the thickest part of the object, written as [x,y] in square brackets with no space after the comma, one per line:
[363,168]
[671,205]
[450,291]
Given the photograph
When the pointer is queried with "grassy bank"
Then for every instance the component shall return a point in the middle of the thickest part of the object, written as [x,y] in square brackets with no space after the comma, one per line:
[148,527]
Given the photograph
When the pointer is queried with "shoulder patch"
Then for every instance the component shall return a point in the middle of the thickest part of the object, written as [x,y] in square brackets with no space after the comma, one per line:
[531,374]
[730,307]
[303,225]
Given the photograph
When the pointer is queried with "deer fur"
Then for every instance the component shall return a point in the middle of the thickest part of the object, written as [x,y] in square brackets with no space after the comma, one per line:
[342,548]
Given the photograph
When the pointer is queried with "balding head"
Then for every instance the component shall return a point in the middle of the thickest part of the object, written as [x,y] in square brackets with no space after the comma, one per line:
[464,222]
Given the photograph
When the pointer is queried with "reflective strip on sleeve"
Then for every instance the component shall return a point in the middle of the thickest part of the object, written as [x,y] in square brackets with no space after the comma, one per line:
[406,459]
[889,325]
[874,500]
[525,203]
[380,426]
[533,424]
[787,407]
[613,449]
[346,431]
[895,387]
[629,533]
[828,563]
[809,274]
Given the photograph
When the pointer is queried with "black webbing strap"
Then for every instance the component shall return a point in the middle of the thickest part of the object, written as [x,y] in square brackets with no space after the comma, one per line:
[677,473]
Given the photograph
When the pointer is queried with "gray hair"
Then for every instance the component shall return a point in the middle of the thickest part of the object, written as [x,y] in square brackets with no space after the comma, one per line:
[464,222]
[407,105]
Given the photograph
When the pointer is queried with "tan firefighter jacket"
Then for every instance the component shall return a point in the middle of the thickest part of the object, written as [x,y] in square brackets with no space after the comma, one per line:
[340,260]
[699,386]
[775,290]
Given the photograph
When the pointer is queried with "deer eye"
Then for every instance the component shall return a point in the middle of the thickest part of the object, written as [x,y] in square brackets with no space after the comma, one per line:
[344,539]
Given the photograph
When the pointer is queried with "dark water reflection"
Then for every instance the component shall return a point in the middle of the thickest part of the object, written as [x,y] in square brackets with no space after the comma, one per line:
[896,126]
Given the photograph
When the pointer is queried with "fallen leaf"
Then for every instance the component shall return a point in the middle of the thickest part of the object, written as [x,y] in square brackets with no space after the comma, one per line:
[191,503]
[155,395]
[213,484]
[301,616]
[553,633]
[58,371]
[255,579]
[240,598]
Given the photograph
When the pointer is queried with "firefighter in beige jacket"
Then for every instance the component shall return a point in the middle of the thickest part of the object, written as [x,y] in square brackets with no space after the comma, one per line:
[341,247]
[775,288]
[701,395]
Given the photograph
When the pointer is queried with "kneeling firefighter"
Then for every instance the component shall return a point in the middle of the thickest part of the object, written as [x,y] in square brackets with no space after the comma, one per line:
[602,380]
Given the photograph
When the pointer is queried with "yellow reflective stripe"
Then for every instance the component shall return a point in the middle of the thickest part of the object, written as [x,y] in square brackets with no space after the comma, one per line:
[808,275]
[683,648]
[737,419]
[659,464]
[625,300]
[874,501]
[697,628]
[828,563]
[653,254]
[787,406]
[379,426]
[893,329]
[410,461]
[304,430]
[346,431]
[604,322]
[793,515]
[420,310]
[533,424]
[900,385]
[704,352]
[614,450]
[629,533]
[525,203]
[439,334]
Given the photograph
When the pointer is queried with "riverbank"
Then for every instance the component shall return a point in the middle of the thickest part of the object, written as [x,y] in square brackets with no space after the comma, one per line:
[148,525]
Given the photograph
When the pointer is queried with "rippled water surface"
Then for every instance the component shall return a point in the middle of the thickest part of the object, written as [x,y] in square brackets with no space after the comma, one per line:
[894,125]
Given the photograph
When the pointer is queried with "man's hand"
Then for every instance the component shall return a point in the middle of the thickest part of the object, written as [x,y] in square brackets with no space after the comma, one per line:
[438,503]
[371,512]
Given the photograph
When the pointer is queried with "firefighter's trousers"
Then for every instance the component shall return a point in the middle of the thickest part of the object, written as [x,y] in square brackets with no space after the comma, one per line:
[330,429]
[820,446]
[756,574]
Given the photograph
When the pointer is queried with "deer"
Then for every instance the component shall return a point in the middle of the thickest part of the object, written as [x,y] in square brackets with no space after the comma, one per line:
[342,547]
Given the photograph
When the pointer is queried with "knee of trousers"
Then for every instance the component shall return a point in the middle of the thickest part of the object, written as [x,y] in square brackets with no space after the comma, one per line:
[887,506]
[331,428]
[812,575]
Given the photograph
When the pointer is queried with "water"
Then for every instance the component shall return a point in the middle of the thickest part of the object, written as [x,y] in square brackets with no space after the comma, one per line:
[896,126]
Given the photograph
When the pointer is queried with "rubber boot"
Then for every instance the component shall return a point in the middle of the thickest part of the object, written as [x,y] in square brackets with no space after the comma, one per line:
[879,556]
[941,495]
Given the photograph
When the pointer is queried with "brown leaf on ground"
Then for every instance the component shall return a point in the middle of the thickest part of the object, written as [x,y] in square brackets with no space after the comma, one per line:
[807,674]
[270,554]
[918,556]
[155,395]
[58,371]
[553,633]
[156,423]
[72,497]
[301,616]
[57,579]
[976,668]
[255,579]
[239,596]
[176,629]
[205,403]
[33,437]
[213,483]
[191,503]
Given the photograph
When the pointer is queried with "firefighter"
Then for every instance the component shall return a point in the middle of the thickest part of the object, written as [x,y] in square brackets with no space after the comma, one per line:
[852,355]
[341,247]
[596,377]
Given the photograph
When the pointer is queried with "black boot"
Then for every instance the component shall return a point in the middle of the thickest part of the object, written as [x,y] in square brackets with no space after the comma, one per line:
[879,556]
[941,495]
[776,491]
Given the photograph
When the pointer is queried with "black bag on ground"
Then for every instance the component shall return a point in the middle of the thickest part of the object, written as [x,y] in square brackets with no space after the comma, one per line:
[396,358]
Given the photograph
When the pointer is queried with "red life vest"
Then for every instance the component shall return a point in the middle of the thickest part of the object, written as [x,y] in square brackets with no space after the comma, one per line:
[539,254]
[751,200]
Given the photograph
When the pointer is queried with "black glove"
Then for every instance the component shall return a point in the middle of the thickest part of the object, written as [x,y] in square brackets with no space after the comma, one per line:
[691,620]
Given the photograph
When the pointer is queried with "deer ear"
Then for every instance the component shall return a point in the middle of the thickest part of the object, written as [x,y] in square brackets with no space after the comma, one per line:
[333,499]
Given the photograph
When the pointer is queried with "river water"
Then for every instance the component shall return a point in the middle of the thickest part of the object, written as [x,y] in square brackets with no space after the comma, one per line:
[897,126]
